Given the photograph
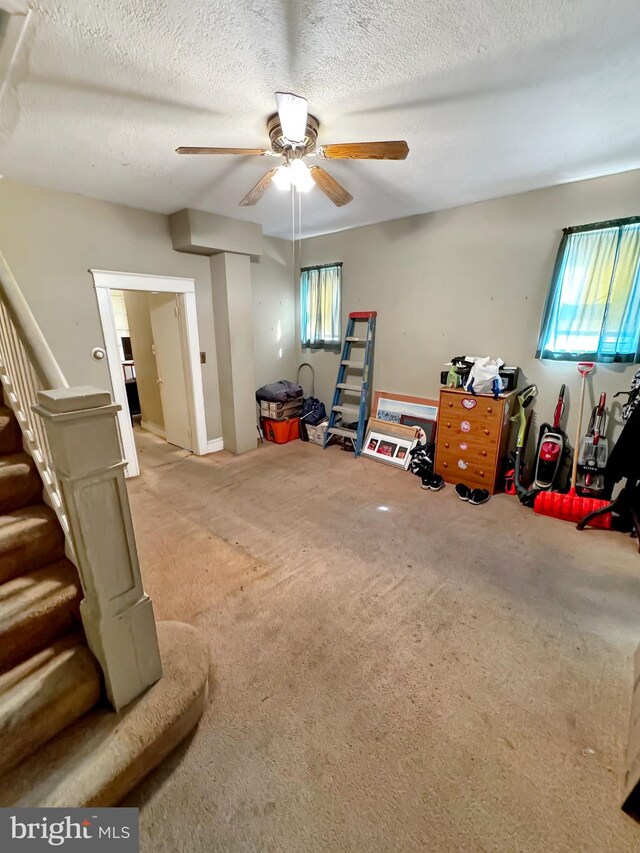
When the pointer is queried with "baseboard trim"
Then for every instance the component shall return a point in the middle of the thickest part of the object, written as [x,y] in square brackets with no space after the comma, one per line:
[215,445]
[154,429]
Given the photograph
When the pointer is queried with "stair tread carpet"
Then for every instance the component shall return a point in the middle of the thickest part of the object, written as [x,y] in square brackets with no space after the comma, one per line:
[20,483]
[35,608]
[30,537]
[100,758]
[10,435]
[42,695]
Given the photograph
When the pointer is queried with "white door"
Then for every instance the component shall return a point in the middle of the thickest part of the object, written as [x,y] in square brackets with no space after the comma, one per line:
[164,309]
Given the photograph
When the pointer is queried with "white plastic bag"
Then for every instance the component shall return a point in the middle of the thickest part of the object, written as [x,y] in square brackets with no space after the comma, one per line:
[484,377]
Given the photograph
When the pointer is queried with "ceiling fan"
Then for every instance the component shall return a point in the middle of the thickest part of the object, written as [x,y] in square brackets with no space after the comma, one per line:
[293,134]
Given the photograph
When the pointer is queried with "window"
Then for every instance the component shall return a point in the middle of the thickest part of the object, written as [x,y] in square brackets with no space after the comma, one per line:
[593,308]
[320,294]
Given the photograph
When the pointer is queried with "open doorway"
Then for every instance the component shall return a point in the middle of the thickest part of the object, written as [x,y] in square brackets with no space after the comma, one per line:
[151,341]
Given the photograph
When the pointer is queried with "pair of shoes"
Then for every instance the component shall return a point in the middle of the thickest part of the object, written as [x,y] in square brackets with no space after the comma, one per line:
[433,482]
[474,496]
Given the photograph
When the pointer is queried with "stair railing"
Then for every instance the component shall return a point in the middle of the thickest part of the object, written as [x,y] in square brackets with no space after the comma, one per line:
[73,436]
[27,366]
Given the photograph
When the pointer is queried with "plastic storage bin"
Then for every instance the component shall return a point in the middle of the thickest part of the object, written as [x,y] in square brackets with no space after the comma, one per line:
[281,431]
[316,432]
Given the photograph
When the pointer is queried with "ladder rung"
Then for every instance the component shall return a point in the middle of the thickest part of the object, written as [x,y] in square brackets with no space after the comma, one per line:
[357,364]
[355,340]
[352,411]
[348,387]
[349,433]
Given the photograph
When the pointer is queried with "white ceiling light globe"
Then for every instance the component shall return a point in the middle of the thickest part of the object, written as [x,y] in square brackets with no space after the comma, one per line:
[301,176]
[283,178]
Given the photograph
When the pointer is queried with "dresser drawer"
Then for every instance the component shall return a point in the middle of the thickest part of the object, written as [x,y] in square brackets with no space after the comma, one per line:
[455,430]
[479,462]
[470,408]
[474,475]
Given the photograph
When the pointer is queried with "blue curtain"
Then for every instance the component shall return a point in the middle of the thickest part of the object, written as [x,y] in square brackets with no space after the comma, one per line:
[320,296]
[593,308]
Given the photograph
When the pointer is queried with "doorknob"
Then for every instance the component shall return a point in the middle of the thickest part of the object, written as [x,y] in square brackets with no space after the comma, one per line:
[159,381]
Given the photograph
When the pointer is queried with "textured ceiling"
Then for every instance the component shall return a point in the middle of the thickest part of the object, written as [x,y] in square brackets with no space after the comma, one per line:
[493,96]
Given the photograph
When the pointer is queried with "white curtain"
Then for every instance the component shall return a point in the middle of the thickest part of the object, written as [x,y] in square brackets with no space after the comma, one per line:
[320,296]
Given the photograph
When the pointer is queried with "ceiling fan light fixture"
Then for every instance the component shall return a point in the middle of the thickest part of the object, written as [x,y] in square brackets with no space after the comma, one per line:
[282,178]
[301,176]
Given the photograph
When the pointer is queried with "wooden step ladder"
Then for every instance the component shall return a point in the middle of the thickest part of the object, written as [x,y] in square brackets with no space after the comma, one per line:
[343,412]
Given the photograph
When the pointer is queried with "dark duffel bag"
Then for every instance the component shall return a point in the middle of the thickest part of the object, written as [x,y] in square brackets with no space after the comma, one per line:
[279,392]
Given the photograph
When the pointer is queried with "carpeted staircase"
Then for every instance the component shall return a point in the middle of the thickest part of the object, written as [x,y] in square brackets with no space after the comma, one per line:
[52,752]
[48,676]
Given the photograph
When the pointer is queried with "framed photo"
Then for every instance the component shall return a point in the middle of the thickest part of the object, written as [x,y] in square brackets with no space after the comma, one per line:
[389,443]
[420,412]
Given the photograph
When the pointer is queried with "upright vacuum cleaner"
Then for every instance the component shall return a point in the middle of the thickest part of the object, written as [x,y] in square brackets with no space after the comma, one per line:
[594,452]
[552,446]
[524,399]
[573,506]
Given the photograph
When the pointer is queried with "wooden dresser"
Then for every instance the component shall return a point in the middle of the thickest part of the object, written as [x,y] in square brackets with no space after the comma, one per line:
[473,438]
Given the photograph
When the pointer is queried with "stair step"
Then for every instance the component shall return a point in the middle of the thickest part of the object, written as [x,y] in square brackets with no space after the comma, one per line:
[356,365]
[20,483]
[350,411]
[10,435]
[30,538]
[35,608]
[346,386]
[43,695]
[348,433]
[98,759]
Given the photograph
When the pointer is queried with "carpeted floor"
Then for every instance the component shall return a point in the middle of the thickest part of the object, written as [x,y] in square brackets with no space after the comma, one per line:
[393,670]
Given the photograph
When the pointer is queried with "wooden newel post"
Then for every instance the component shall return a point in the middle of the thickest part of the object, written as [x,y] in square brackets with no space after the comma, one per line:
[116,613]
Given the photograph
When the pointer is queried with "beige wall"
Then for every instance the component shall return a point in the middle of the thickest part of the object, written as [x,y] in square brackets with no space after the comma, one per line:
[467,281]
[144,359]
[51,239]
[276,351]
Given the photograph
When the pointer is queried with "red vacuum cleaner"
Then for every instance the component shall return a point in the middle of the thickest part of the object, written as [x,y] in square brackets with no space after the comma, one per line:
[572,506]
[552,444]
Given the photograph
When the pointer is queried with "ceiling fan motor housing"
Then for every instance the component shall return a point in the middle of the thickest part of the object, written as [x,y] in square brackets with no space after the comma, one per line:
[292,150]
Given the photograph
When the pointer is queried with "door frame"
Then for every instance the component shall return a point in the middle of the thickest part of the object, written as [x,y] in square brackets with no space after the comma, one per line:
[106,280]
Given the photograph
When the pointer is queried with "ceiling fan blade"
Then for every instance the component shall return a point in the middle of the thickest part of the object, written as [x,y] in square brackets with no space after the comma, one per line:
[185,149]
[292,110]
[330,187]
[255,194]
[365,151]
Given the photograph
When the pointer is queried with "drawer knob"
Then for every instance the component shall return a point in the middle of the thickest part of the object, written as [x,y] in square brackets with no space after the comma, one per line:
[484,452]
[489,409]
[481,473]
[448,424]
[446,444]
[486,432]
[445,464]
[450,404]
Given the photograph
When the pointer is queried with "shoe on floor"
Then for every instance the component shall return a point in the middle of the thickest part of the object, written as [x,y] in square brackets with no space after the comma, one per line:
[463,492]
[479,496]
[433,482]
[436,482]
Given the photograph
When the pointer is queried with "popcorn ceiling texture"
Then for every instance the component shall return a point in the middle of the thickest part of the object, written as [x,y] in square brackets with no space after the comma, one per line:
[493,98]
